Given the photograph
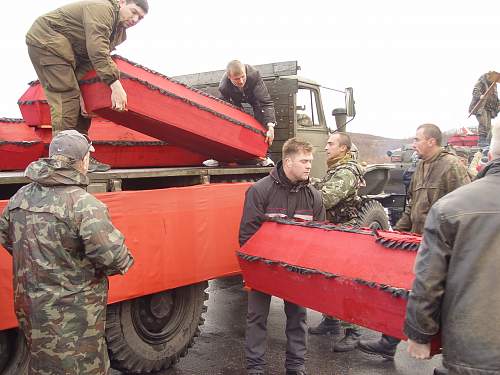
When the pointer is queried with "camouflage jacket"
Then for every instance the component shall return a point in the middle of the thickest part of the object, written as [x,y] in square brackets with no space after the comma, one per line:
[63,245]
[491,103]
[339,190]
[83,33]
[432,180]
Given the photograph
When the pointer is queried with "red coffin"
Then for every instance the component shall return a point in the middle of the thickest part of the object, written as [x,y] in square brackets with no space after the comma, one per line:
[355,275]
[173,112]
[33,105]
[19,145]
[125,148]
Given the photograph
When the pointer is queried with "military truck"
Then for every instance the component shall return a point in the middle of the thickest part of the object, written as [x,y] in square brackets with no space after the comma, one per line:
[182,226]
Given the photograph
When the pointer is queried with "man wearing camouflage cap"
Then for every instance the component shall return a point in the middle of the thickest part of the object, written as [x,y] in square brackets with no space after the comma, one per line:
[339,191]
[63,246]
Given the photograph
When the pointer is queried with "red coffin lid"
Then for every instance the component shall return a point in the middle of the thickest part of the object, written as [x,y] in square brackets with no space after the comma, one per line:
[33,105]
[175,113]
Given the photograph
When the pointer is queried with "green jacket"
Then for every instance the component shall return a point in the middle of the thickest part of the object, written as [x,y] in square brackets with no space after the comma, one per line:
[339,190]
[83,33]
[63,246]
[432,180]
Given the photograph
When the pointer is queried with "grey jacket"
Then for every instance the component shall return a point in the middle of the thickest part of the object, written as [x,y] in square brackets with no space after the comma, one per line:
[456,289]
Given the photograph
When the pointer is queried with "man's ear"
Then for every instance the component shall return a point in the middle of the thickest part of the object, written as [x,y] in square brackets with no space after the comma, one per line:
[490,156]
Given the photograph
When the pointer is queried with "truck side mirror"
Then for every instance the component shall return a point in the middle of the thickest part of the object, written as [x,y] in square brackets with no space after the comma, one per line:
[340,119]
[349,102]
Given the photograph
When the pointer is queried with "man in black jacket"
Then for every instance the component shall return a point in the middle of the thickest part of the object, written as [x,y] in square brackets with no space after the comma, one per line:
[243,83]
[284,193]
[455,291]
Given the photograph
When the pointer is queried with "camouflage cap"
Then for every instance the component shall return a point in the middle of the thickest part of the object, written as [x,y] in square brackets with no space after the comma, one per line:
[71,144]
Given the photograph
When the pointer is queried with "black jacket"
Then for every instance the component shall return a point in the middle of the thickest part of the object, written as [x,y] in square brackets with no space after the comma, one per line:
[275,195]
[456,288]
[254,93]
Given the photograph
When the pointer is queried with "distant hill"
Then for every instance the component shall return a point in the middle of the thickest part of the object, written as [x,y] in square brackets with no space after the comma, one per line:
[373,149]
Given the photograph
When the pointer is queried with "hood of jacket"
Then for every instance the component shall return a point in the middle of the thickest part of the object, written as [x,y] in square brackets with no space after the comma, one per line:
[51,172]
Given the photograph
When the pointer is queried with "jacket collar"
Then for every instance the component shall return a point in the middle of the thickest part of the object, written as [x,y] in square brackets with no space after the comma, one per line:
[279,176]
[493,167]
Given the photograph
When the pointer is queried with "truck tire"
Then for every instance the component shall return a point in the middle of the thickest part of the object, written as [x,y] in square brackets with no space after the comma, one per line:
[151,333]
[13,353]
[372,215]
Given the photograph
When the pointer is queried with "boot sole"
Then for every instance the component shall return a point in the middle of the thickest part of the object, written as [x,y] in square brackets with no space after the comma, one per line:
[370,352]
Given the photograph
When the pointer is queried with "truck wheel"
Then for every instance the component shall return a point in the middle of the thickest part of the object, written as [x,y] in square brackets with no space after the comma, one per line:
[151,333]
[13,353]
[372,215]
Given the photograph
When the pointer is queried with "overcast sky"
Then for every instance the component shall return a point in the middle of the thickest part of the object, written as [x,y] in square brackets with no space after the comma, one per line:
[408,62]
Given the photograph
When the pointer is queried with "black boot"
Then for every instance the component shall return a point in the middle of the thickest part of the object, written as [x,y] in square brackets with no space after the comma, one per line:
[326,326]
[97,166]
[385,347]
[349,341]
[440,371]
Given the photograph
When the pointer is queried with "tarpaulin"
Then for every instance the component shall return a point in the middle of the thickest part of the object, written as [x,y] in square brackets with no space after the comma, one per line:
[178,236]
[173,112]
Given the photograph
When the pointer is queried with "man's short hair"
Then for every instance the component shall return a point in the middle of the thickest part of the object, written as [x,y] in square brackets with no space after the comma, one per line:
[432,131]
[294,146]
[344,140]
[235,67]
[143,4]
[495,140]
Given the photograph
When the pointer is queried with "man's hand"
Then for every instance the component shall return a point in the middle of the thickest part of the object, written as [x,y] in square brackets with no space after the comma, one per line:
[83,110]
[270,134]
[118,97]
[419,351]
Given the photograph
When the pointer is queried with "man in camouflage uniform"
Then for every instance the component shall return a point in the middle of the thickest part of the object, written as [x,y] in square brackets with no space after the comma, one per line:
[339,191]
[66,43]
[488,109]
[63,246]
[437,174]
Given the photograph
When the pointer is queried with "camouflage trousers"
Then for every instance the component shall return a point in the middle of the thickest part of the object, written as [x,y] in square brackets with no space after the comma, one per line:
[484,126]
[65,336]
[61,88]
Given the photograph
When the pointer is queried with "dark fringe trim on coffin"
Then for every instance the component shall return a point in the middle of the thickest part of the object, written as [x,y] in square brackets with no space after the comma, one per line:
[385,242]
[130,143]
[11,120]
[29,102]
[396,292]
[20,143]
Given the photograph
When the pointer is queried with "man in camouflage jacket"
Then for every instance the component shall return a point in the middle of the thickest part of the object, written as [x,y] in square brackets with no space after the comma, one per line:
[339,191]
[437,174]
[488,109]
[63,246]
[66,43]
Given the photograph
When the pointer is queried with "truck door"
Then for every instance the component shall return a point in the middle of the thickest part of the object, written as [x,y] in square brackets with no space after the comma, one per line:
[311,125]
